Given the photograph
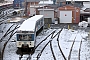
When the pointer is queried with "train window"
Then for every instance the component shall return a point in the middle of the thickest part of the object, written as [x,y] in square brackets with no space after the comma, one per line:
[25,37]
[20,37]
[29,37]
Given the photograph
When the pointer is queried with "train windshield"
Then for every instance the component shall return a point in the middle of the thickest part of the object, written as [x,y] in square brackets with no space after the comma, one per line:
[27,37]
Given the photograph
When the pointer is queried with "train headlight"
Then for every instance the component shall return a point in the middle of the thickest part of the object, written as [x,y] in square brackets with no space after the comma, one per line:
[30,43]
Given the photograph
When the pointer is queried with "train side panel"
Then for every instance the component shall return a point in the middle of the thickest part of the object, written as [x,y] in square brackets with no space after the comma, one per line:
[39,24]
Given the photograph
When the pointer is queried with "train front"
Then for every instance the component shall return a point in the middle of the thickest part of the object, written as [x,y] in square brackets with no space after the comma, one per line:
[25,39]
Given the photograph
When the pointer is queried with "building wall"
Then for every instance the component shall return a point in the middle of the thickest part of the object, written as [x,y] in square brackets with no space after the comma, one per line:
[28,10]
[34,3]
[1,0]
[48,14]
[75,12]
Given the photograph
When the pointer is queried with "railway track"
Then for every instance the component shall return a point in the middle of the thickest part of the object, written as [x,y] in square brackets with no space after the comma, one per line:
[1,22]
[77,41]
[50,42]
[75,50]
[11,35]
[8,31]
[25,55]
[52,37]
[44,39]
[60,48]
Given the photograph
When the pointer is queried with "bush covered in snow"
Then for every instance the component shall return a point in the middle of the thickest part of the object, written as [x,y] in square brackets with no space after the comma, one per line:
[83,24]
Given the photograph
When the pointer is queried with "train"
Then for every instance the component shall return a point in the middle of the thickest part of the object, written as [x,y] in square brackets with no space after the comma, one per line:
[27,32]
[17,11]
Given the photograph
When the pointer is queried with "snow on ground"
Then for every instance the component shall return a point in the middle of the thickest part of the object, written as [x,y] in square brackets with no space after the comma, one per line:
[75,50]
[56,32]
[47,54]
[10,52]
[56,50]
[85,50]
[38,49]
[41,37]
[4,28]
[66,39]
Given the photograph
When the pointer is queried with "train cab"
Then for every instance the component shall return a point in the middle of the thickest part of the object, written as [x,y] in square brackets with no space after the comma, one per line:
[25,40]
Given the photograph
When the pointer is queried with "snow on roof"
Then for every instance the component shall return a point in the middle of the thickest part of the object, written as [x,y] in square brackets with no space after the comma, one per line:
[29,24]
[47,9]
[46,2]
[1,4]
[35,6]
[33,0]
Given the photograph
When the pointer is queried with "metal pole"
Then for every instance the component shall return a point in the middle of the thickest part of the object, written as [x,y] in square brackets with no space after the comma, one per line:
[25,7]
[43,16]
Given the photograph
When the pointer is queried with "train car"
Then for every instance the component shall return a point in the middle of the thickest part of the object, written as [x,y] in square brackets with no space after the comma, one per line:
[17,11]
[26,34]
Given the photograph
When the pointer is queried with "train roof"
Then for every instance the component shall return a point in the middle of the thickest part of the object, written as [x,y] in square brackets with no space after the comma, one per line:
[29,24]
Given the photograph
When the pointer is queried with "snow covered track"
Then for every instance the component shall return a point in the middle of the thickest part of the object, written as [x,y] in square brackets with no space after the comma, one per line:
[1,22]
[8,32]
[76,48]
[79,50]
[60,48]
[51,36]
[71,49]
[54,44]
[44,39]
[49,40]
[25,55]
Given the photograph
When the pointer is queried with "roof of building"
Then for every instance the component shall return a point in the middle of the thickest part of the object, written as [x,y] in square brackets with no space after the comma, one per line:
[83,12]
[33,0]
[78,0]
[49,7]
[54,6]
[76,5]
[46,2]
[60,0]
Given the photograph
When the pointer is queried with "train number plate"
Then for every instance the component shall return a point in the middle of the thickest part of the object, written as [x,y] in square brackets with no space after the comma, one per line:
[24,42]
